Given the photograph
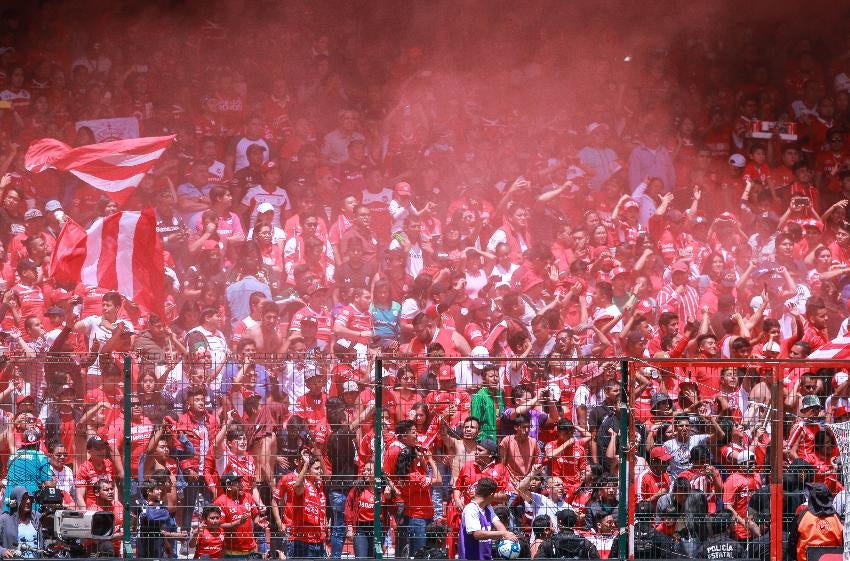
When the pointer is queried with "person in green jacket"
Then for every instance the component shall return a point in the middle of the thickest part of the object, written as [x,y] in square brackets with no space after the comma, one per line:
[488,403]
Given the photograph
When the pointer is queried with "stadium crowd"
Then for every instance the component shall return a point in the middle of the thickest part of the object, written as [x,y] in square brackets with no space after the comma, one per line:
[335,194]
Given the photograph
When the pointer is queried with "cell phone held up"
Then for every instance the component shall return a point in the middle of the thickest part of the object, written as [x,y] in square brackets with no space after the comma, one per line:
[801,201]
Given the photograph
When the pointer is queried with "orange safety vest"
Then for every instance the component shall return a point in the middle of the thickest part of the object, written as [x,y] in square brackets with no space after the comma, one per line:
[813,530]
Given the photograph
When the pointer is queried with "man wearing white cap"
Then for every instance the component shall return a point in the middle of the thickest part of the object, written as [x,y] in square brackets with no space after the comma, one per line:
[265,215]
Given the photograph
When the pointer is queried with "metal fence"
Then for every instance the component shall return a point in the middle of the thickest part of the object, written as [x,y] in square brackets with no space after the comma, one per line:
[376,456]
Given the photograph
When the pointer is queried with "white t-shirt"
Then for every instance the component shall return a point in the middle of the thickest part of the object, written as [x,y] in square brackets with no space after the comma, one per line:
[472,519]
[541,504]
[415,258]
[499,236]
[256,195]
[399,214]
[96,331]
[504,274]
[278,235]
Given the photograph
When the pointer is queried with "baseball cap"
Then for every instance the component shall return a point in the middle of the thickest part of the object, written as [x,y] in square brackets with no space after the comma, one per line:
[268,166]
[480,352]
[52,206]
[32,213]
[630,203]
[446,373]
[490,446]
[602,313]
[737,160]
[565,424]
[657,399]
[264,207]
[230,477]
[659,453]
[771,347]
[350,386]
[403,188]
[810,401]
[644,307]
[616,271]
[680,266]
[96,442]
[313,373]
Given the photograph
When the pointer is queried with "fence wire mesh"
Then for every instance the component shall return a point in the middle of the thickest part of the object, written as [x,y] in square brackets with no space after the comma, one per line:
[248,454]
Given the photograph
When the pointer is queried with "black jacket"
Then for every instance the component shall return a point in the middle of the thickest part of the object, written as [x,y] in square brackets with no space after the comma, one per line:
[566,544]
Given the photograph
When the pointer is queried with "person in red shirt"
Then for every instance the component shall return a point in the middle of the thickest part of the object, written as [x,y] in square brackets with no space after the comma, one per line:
[360,512]
[415,491]
[816,317]
[567,457]
[98,467]
[737,490]
[311,405]
[654,482]
[200,428]
[232,456]
[239,514]
[208,538]
[33,303]
[308,531]
[354,321]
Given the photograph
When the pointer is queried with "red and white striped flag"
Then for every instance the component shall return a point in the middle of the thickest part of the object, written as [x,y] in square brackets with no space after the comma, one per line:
[121,252]
[837,349]
[113,167]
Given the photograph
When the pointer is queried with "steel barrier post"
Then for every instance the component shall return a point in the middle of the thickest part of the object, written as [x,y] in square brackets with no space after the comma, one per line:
[128,477]
[379,475]
[623,505]
[777,439]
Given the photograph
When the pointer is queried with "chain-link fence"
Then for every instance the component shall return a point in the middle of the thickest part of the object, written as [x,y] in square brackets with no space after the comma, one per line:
[364,456]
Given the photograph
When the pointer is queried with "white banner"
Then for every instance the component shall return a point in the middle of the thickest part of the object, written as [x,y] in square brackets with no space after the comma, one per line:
[120,128]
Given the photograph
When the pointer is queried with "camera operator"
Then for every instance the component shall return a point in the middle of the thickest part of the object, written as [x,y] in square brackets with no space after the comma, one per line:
[20,527]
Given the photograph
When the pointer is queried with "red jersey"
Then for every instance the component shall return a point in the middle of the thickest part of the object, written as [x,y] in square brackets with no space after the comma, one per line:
[244,466]
[737,491]
[92,300]
[814,336]
[439,401]
[308,513]
[568,465]
[140,435]
[471,473]
[240,539]
[360,506]
[354,319]
[312,408]
[210,544]
[705,483]
[803,436]
[324,329]
[648,484]
[32,302]
[281,495]
[88,475]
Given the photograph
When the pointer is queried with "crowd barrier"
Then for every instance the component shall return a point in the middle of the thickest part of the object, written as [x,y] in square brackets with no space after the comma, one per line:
[263,416]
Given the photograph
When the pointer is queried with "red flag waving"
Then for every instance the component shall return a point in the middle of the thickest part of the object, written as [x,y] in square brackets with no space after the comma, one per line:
[114,167]
[121,252]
